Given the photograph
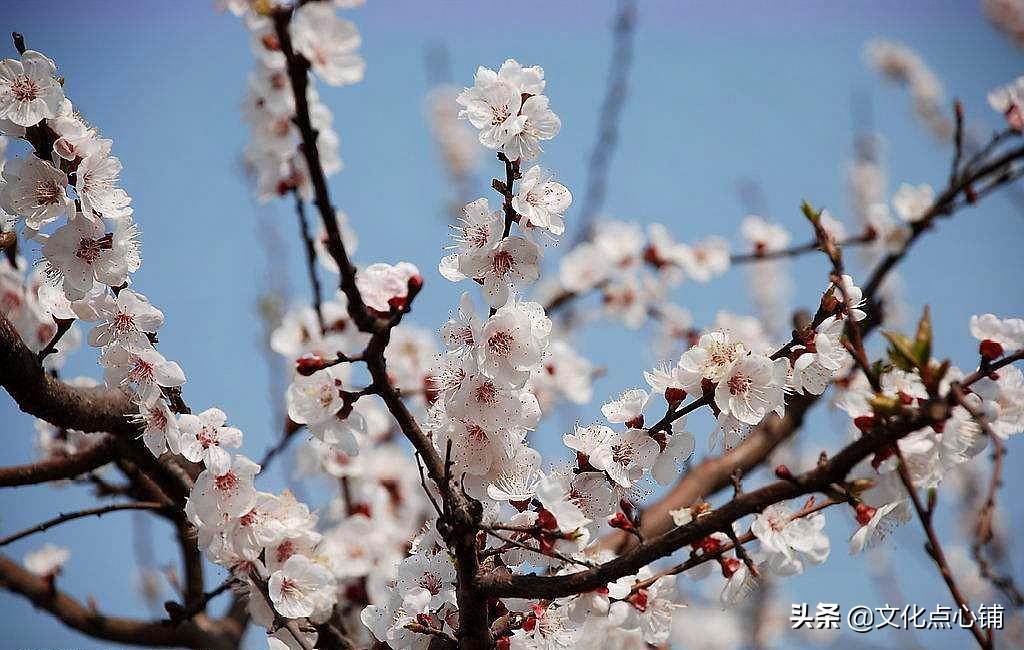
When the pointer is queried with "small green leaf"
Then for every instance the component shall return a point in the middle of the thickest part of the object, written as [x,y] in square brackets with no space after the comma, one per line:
[923,339]
[812,215]
[901,351]
[884,405]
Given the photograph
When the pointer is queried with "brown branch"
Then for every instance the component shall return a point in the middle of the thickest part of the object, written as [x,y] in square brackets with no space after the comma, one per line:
[314,278]
[63,325]
[56,469]
[298,74]
[736,541]
[84,409]
[70,516]
[178,614]
[819,479]
[944,205]
[461,517]
[797,250]
[934,549]
[713,474]
[624,29]
[210,635]
[983,531]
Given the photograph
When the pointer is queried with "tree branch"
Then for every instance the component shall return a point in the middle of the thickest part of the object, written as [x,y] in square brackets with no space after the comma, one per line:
[70,516]
[816,480]
[209,634]
[56,469]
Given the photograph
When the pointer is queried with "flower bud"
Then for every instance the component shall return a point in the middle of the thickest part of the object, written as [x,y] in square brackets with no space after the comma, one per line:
[990,350]
[620,520]
[674,395]
[730,566]
[864,513]
[308,364]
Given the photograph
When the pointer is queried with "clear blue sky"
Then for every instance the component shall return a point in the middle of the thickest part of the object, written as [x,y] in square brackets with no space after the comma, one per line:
[716,94]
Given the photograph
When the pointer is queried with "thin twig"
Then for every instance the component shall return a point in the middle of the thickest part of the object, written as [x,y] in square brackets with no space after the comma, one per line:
[934,549]
[314,278]
[70,516]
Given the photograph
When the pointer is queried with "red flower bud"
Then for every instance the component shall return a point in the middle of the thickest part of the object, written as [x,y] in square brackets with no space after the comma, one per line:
[638,599]
[783,472]
[864,422]
[636,423]
[674,395]
[309,364]
[620,520]
[864,513]
[730,566]
[547,520]
[709,544]
[990,350]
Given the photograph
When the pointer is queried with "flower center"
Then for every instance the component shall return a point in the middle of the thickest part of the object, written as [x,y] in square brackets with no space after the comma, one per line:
[207,437]
[157,419]
[226,482]
[500,344]
[89,249]
[142,371]
[502,263]
[739,383]
[48,191]
[124,322]
[499,114]
[486,393]
[431,582]
[326,395]
[285,550]
[24,89]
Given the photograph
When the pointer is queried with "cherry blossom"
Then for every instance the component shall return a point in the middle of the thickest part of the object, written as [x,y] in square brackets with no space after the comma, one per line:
[789,539]
[126,320]
[910,202]
[28,90]
[542,200]
[35,190]
[145,368]
[48,560]
[204,438]
[317,401]
[384,286]
[752,387]
[300,587]
[329,42]
[1008,100]
[82,252]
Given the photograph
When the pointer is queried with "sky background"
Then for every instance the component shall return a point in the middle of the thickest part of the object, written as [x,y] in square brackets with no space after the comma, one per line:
[716,94]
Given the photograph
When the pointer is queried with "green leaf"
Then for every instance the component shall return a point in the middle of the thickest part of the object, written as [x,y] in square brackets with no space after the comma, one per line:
[923,339]
[901,351]
[812,215]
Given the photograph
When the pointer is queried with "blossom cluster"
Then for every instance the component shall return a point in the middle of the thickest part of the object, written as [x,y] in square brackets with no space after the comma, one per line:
[66,196]
[379,546]
[330,43]
[931,453]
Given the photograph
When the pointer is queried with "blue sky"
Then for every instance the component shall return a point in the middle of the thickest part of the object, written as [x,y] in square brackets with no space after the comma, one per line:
[717,94]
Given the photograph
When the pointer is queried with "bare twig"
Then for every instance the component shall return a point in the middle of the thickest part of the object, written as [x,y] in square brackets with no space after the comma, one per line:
[69,516]
[934,549]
